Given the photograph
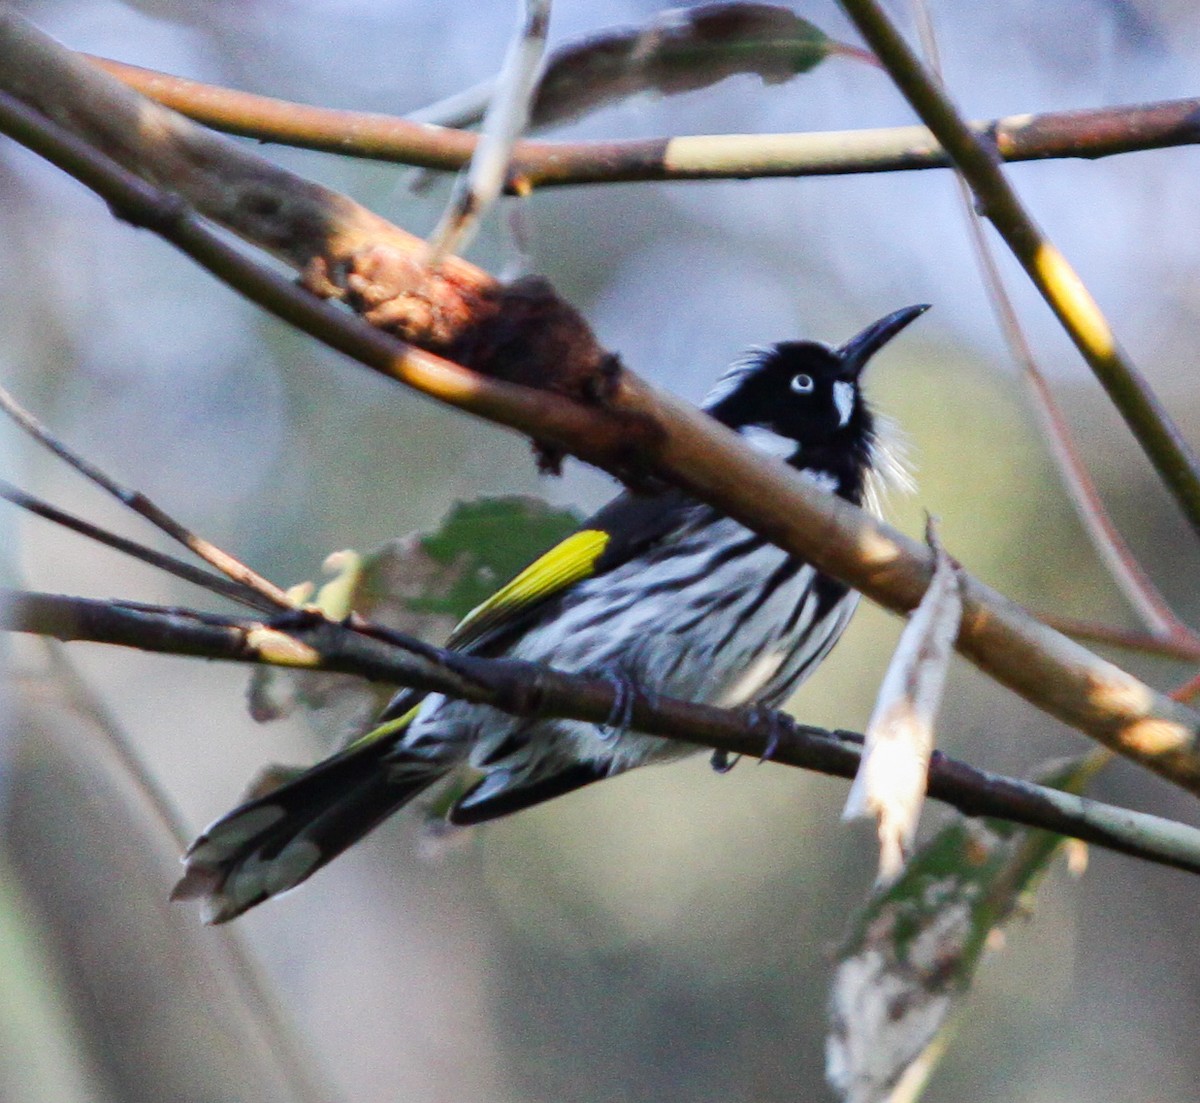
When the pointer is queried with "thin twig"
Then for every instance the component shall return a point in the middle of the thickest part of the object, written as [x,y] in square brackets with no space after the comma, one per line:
[638,429]
[528,690]
[1128,639]
[1189,691]
[503,124]
[1091,134]
[214,583]
[457,111]
[1137,586]
[144,507]
[1048,269]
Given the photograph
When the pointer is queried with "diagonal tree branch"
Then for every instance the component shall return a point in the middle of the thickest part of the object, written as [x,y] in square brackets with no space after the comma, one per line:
[254,589]
[635,429]
[1133,581]
[1048,269]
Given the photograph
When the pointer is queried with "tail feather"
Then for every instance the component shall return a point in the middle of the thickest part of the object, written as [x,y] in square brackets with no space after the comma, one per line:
[273,843]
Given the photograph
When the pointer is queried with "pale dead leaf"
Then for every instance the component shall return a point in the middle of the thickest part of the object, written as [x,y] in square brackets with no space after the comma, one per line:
[911,953]
[890,784]
[1077,852]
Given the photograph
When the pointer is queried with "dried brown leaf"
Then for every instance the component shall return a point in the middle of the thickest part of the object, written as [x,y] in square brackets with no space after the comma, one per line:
[679,51]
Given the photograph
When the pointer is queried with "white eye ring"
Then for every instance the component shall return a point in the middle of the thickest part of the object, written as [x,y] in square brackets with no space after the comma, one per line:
[803,384]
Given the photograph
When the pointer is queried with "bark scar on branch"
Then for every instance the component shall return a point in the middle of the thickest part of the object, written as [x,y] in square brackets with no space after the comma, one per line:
[520,332]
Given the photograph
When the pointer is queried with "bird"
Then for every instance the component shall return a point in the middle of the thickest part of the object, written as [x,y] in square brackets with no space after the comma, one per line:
[656,589]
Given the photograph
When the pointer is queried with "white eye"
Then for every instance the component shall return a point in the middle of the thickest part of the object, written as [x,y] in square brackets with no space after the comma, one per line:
[802,384]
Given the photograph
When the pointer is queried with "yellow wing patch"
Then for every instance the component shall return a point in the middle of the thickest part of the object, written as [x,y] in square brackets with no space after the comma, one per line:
[568,562]
[388,727]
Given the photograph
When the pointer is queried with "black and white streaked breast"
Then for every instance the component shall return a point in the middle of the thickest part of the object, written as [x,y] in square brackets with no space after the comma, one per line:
[713,614]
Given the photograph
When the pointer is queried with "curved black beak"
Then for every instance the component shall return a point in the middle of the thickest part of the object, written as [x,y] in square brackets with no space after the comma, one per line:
[858,350]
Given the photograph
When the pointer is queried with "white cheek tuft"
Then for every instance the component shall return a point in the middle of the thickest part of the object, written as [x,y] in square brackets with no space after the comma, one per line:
[843,399]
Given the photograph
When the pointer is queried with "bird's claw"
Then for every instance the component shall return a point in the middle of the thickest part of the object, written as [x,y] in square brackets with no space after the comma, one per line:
[722,763]
[778,725]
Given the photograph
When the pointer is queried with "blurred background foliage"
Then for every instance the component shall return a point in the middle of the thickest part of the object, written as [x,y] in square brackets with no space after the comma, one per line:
[665,936]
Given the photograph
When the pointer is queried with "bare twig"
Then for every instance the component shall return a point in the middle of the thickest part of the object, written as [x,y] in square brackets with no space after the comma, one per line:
[1189,691]
[1093,133]
[457,111]
[503,124]
[1137,586]
[214,583]
[524,689]
[1127,639]
[232,568]
[637,429]
[1049,270]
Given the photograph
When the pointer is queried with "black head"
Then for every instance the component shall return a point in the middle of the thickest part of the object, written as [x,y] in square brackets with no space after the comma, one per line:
[800,400]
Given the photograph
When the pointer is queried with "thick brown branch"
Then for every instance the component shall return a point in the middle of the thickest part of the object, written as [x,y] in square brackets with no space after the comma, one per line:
[599,435]
[634,428]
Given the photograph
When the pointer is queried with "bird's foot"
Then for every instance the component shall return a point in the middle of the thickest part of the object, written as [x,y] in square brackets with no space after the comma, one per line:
[778,725]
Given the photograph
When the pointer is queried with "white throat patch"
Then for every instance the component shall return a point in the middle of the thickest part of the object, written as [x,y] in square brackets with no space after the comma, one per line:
[762,439]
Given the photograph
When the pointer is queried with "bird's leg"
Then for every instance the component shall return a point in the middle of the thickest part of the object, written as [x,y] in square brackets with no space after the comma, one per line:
[621,715]
[777,724]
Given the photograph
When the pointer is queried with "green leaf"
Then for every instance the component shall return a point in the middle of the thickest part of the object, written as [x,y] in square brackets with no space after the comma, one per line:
[485,543]
[421,585]
[912,951]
